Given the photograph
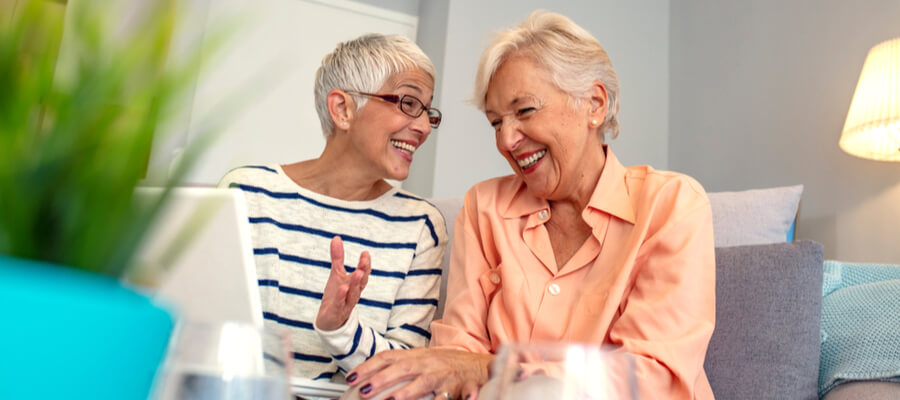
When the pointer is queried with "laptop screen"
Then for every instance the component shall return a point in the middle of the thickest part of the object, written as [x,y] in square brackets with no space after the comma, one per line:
[202,239]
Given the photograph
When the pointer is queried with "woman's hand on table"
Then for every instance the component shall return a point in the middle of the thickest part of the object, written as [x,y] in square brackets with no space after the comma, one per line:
[455,372]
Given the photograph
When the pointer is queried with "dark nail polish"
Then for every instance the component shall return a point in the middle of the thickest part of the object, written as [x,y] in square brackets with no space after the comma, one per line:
[366,389]
[351,377]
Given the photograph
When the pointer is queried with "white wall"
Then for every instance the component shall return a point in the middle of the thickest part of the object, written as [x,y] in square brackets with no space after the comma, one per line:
[409,7]
[759,94]
[636,36]
[432,38]
[257,92]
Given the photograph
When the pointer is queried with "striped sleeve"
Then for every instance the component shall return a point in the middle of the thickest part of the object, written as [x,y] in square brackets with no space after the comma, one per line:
[411,313]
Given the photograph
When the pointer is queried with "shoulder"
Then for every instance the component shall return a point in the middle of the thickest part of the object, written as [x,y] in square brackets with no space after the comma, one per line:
[249,174]
[654,180]
[496,186]
[669,191]
[405,203]
[493,192]
[405,200]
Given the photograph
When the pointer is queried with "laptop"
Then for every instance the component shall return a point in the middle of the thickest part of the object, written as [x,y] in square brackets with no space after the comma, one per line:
[305,388]
[202,237]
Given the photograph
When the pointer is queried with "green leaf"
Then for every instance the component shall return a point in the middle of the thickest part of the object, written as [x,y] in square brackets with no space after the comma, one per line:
[76,132]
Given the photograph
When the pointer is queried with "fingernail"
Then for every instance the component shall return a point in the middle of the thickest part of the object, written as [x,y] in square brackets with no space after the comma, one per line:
[351,377]
[366,389]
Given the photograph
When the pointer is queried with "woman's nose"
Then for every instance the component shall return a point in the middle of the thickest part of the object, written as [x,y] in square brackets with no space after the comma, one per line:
[509,136]
[422,124]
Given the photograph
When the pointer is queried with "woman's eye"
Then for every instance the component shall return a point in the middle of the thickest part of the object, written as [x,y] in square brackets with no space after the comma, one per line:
[496,123]
[525,110]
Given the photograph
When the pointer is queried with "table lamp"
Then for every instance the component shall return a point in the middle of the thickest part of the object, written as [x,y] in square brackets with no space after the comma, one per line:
[872,129]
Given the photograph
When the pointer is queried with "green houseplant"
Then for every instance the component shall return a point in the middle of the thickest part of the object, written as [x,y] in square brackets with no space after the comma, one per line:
[76,130]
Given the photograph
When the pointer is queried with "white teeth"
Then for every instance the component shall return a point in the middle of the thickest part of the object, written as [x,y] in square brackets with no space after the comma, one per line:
[527,162]
[408,148]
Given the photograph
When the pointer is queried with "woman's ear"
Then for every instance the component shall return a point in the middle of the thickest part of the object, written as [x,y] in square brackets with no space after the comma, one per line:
[598,102]
[341,107]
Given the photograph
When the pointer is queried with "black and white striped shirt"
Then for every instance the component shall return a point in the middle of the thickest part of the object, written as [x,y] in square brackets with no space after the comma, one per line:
[291,229]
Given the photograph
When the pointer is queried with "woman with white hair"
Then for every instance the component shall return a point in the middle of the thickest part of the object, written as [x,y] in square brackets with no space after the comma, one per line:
[572,247]
[373,97]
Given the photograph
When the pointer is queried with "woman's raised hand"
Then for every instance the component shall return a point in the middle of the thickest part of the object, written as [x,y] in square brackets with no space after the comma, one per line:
[342,289]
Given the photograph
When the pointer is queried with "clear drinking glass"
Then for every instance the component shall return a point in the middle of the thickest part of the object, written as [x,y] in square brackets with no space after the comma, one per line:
[561,371]
[225,361]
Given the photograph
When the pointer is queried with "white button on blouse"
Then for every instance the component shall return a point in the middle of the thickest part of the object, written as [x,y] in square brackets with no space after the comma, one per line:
[554,289]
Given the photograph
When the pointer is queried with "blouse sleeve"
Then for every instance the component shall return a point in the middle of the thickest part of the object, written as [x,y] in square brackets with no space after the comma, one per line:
[463,324]
[668,316]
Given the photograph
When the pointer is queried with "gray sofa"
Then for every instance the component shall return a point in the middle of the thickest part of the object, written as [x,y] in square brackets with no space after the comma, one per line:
[768,310]
[766,342]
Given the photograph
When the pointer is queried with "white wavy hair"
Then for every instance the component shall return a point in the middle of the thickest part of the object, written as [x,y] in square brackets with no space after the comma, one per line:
[364,64]
[573,58]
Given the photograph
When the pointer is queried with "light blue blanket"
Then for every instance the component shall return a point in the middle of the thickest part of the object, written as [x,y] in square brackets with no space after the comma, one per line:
[860,324]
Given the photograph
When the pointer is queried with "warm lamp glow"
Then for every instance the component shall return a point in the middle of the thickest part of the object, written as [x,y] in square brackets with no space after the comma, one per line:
[872,129]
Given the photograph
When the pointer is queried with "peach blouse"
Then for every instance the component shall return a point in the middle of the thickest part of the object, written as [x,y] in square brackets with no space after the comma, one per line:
[643,281]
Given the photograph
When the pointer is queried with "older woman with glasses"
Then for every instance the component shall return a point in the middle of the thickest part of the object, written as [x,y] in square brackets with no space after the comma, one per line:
[573,247]
[373,98]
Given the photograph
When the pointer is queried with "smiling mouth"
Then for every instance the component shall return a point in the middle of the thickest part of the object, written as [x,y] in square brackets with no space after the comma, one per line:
[529,161]
[404,147]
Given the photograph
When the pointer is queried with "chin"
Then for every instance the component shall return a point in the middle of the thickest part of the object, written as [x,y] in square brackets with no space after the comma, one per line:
[399,175]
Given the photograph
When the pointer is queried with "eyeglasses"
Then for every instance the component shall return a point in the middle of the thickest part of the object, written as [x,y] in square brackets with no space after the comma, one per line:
[410,105]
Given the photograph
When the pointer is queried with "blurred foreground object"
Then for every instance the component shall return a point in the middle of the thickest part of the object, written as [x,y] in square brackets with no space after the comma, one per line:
[76,134]
[76,129]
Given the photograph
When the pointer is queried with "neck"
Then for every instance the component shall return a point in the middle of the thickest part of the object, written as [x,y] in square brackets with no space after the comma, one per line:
[337,174]
[580,196]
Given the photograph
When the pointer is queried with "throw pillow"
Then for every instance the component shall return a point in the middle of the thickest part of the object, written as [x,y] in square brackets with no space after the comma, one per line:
[756,216]
[860,324]
[768,310]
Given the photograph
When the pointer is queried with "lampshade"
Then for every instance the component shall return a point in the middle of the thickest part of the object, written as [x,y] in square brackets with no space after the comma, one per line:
[872,129]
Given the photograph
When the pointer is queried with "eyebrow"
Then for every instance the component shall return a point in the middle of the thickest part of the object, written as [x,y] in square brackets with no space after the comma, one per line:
[418,90]
[411,86]
[515,101]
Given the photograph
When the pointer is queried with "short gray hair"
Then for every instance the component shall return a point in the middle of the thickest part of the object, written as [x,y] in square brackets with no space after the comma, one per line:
[364,64]
[573,58]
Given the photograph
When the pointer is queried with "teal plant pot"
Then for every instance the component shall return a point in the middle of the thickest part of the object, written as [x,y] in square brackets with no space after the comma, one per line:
[71,334]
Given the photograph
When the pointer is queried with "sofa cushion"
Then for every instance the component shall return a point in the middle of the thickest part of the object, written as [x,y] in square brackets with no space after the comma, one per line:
[768,309]
[754,216]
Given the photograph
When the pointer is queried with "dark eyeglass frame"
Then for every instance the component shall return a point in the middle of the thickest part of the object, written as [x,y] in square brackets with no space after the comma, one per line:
[434,115]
